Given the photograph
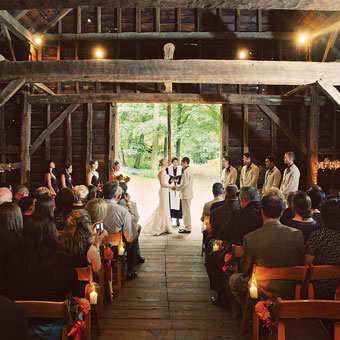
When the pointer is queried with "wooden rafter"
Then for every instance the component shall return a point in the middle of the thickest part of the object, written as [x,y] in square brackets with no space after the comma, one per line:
[53,22]
[34,147]
[221,98]
[284,128]
[330,43]
[9,40]
[18,14]
[175,71]
[44,88]
[329,90]
[10,90]
[316,5]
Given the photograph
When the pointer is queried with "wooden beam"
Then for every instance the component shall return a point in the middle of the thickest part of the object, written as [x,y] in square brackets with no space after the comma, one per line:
[329,151]
[113,135]
[48,139]
[308,5]
[204,98]
[69,139]
[284,128]
[53,22]
[273,138]
[25,142]
[183,71]
[18,14]
[9,40]
[330,44]
[99,19]
[245,114]
[157,19]
[224,129]
[296,90]
[329,90]
[10,90]
[15,27]
[78,19]
[89,135]
[169,133]
[43,88]
[171,36]
[54,125]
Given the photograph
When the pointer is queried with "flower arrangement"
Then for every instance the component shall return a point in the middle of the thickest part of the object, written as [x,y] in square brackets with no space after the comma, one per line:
[100,187]
[108,254]
[77,308]
[265,311]
[229,262]
[122,178]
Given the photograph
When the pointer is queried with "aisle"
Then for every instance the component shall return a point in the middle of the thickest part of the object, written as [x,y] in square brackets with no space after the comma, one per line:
[170,299]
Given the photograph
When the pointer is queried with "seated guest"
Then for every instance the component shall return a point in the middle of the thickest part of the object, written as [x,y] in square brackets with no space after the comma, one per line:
[97,208]
[26,205]
[20,191]
[5,195]
[303,215]
[45,205]
[78,244]
[241,222]
[80,193]
[323,248]
[64,204]
[217,190]
[273,245]
[92,192]
[42,191]
[317,198]
[220,216]
[276,191]
[119,219]
[288,213]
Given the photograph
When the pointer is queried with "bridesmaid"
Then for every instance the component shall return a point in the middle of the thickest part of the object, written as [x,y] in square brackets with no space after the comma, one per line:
[115,172]
[50,178]
[66,178]
[93,175]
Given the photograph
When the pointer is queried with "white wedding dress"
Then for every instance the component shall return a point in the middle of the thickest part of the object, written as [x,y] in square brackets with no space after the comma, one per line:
[160,222]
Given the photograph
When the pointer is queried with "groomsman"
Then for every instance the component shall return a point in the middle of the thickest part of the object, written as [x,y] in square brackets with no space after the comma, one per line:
[186,195]
[291,175]
[272,178]
[250,172]
[229,173]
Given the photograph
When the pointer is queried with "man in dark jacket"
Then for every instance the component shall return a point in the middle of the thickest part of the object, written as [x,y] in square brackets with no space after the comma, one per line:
[241,222]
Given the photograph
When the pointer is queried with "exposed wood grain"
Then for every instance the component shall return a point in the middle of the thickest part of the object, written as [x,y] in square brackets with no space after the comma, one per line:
[316,5]
[245,114]
[7,149]
[42,87]
[329,90]
[53,22]
[18,14]
[224,129]
[48,139]
[184,71]
[69,139]
[113,135]
[25,142]
[99,19]
[10,90]
[9,40]
[89,135]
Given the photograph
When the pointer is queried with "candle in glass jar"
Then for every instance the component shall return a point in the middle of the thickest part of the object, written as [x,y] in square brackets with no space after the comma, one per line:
[121,251]
[93,298]
[215,247]
[253,292]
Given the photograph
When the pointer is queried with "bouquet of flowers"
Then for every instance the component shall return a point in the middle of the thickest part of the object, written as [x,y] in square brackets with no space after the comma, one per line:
[122,178]
[108,256]
[229,262]
[265,311]
[77,308]
[100,187]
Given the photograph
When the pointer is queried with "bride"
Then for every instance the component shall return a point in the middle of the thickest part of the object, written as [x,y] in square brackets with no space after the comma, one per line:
[160,222]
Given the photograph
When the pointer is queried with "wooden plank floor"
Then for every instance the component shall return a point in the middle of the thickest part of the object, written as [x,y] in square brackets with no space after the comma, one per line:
[170,299]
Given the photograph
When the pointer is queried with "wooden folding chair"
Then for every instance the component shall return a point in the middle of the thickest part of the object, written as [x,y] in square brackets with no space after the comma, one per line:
[323,272]
[291,273]
[306,309]
[47,309]
[207,227]
[115,240]
[237,253]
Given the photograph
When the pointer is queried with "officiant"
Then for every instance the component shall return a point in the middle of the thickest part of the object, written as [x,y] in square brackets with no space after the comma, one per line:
[175,173]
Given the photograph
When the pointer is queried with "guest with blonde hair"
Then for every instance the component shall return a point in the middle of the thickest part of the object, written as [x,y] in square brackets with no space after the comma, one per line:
[42,191]
[80,193]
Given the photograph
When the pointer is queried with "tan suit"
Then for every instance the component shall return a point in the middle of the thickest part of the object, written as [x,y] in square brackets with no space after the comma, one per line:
[290,181]
[229,177]
[272,178]
[186,195]
[249,176]
[207,206]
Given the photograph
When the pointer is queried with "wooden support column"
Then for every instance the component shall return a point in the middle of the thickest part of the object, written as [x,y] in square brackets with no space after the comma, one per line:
[313,138]
[89,136]
[119,30]
[76,46]
[273,138]
[2,141]
[99,30]
[25,142]
[224,129]
[10,90]
[47,140]
[113,135]
[169,133]
[178,29]
[69,139]
[9,40]
[245,128]
[199,42]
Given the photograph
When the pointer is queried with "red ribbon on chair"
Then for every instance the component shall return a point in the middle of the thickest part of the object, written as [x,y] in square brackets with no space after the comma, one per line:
[77,329]
[109,270]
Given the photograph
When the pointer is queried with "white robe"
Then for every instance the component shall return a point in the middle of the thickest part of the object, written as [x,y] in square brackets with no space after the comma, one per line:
[174,195]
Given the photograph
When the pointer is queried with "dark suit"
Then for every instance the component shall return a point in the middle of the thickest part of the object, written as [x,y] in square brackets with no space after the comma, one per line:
[241,222]
[216,205]
[273,245]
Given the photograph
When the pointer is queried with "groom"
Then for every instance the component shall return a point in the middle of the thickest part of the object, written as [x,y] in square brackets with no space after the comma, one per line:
[186,194]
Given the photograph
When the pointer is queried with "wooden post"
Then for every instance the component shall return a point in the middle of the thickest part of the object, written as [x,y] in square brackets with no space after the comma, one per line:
[119,30]
[99,19]
[25,142]
[169,133]
[89,136]
[273,138]
[69,139]
[245,128]
[224,129]
[113,134]
[313,138]
[47,140]
[2,140]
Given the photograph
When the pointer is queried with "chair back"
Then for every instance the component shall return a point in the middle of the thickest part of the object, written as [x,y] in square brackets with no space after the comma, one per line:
[45,309]
[115,239]
[85,274]
[237,250]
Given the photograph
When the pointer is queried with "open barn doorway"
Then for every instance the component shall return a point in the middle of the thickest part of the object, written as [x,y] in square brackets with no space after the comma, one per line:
[143,140]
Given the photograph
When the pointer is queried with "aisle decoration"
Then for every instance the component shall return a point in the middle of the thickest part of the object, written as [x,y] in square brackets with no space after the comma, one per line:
[108,256]
[77,308]
[265,311]
[229,263]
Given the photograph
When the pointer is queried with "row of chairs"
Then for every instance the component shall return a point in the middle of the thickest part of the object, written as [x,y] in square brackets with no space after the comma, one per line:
[58,310]
[303,276]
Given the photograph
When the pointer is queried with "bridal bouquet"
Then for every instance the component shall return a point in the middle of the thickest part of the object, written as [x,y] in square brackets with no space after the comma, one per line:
[122,178]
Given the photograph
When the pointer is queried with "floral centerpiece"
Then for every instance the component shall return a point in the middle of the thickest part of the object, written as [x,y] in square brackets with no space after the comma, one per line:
[77,308]
[265,311]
